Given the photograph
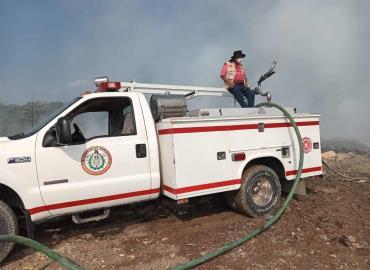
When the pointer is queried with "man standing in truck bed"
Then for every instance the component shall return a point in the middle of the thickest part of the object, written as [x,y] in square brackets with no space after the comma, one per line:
[234,76]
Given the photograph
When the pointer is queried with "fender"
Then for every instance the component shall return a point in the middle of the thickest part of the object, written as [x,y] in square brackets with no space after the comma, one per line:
[252,155]
[9,191]
[18,172]
[29,194]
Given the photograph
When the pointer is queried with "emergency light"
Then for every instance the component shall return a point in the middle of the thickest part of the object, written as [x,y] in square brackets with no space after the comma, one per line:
[109,87]
[104,85]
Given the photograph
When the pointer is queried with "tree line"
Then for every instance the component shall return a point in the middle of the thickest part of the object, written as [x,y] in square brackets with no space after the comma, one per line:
[16,118]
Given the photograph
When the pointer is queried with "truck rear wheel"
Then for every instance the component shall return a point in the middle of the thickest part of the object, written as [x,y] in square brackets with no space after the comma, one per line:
[8,226]
[259,193]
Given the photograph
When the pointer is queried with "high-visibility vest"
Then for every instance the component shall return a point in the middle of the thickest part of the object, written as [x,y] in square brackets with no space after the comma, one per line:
[231,71]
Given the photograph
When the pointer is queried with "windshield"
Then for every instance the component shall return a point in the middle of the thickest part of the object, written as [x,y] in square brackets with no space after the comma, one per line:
[44,122]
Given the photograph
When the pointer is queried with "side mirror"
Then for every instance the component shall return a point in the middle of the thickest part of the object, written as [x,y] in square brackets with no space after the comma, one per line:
[63,130]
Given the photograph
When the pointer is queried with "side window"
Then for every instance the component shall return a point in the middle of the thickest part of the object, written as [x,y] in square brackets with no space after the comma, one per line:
[103,117]
[128,127]
[99,117]
[92,124]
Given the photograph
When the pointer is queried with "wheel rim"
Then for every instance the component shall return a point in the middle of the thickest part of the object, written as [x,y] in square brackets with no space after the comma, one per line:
[262,191]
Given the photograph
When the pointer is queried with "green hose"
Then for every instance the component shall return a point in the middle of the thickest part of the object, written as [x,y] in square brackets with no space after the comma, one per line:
[67,263]
[229,246]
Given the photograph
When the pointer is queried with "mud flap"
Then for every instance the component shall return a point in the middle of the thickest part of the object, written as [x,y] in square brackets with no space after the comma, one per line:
[29,224]
[286,186]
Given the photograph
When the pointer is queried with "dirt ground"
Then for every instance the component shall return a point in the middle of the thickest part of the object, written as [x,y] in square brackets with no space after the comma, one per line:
[327,229]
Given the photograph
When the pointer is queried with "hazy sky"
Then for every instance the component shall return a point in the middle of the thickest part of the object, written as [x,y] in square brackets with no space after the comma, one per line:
[53,49]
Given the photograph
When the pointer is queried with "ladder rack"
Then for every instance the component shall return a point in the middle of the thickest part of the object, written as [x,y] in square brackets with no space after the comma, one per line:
[188,91]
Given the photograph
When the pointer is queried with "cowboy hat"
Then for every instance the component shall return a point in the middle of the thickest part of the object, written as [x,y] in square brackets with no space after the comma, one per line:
[238,54]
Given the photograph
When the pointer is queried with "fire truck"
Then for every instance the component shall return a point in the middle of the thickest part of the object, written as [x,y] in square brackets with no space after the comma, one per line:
[114,147]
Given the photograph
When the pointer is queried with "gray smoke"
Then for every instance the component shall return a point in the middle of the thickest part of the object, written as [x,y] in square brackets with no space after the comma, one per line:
[322,48]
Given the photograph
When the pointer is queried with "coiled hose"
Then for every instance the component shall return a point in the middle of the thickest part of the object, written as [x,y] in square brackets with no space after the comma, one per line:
[70,265]
[233,244]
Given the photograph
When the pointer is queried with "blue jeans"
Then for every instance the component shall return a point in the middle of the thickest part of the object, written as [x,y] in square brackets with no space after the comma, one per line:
[239,91]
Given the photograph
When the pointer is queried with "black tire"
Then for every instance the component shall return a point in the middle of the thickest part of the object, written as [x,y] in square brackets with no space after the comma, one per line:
[8,226]
[259,193]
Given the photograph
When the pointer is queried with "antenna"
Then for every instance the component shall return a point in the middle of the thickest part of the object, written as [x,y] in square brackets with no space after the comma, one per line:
[32,111]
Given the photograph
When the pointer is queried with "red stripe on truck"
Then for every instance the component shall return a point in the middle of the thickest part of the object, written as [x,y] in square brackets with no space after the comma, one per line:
[300,124]
[231,127]
[202,187]
[91,201]
[226,183]
[205,129]
[175,191]
[306,170]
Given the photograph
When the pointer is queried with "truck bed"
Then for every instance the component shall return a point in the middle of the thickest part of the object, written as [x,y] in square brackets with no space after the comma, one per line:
[196,151]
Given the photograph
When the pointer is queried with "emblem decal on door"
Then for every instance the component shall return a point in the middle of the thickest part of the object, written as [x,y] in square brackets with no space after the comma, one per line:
[307,145]
[96,160]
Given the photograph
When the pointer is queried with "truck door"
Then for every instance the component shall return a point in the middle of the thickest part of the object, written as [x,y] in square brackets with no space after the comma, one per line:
[105,165]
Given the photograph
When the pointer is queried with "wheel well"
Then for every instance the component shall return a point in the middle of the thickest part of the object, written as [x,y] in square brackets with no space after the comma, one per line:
[271,162]
[12,199]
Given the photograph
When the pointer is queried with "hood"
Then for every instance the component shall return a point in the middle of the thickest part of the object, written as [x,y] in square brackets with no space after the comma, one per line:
[16,148]
[4,139]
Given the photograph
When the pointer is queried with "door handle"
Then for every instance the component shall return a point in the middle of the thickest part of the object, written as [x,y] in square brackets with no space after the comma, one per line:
[140,150]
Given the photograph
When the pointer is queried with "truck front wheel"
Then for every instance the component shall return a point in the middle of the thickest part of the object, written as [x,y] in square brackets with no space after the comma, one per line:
[8,226]
[259,193]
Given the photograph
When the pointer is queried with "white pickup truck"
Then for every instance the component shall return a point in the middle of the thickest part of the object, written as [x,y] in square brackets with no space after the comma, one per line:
[112,148]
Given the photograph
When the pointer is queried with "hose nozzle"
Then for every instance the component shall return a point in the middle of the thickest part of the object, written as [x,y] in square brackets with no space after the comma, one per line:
[269,97]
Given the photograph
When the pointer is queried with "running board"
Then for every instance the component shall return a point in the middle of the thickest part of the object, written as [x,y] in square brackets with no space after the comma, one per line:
[79,220]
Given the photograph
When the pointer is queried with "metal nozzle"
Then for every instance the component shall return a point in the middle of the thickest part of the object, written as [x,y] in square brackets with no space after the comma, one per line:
[269,97]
